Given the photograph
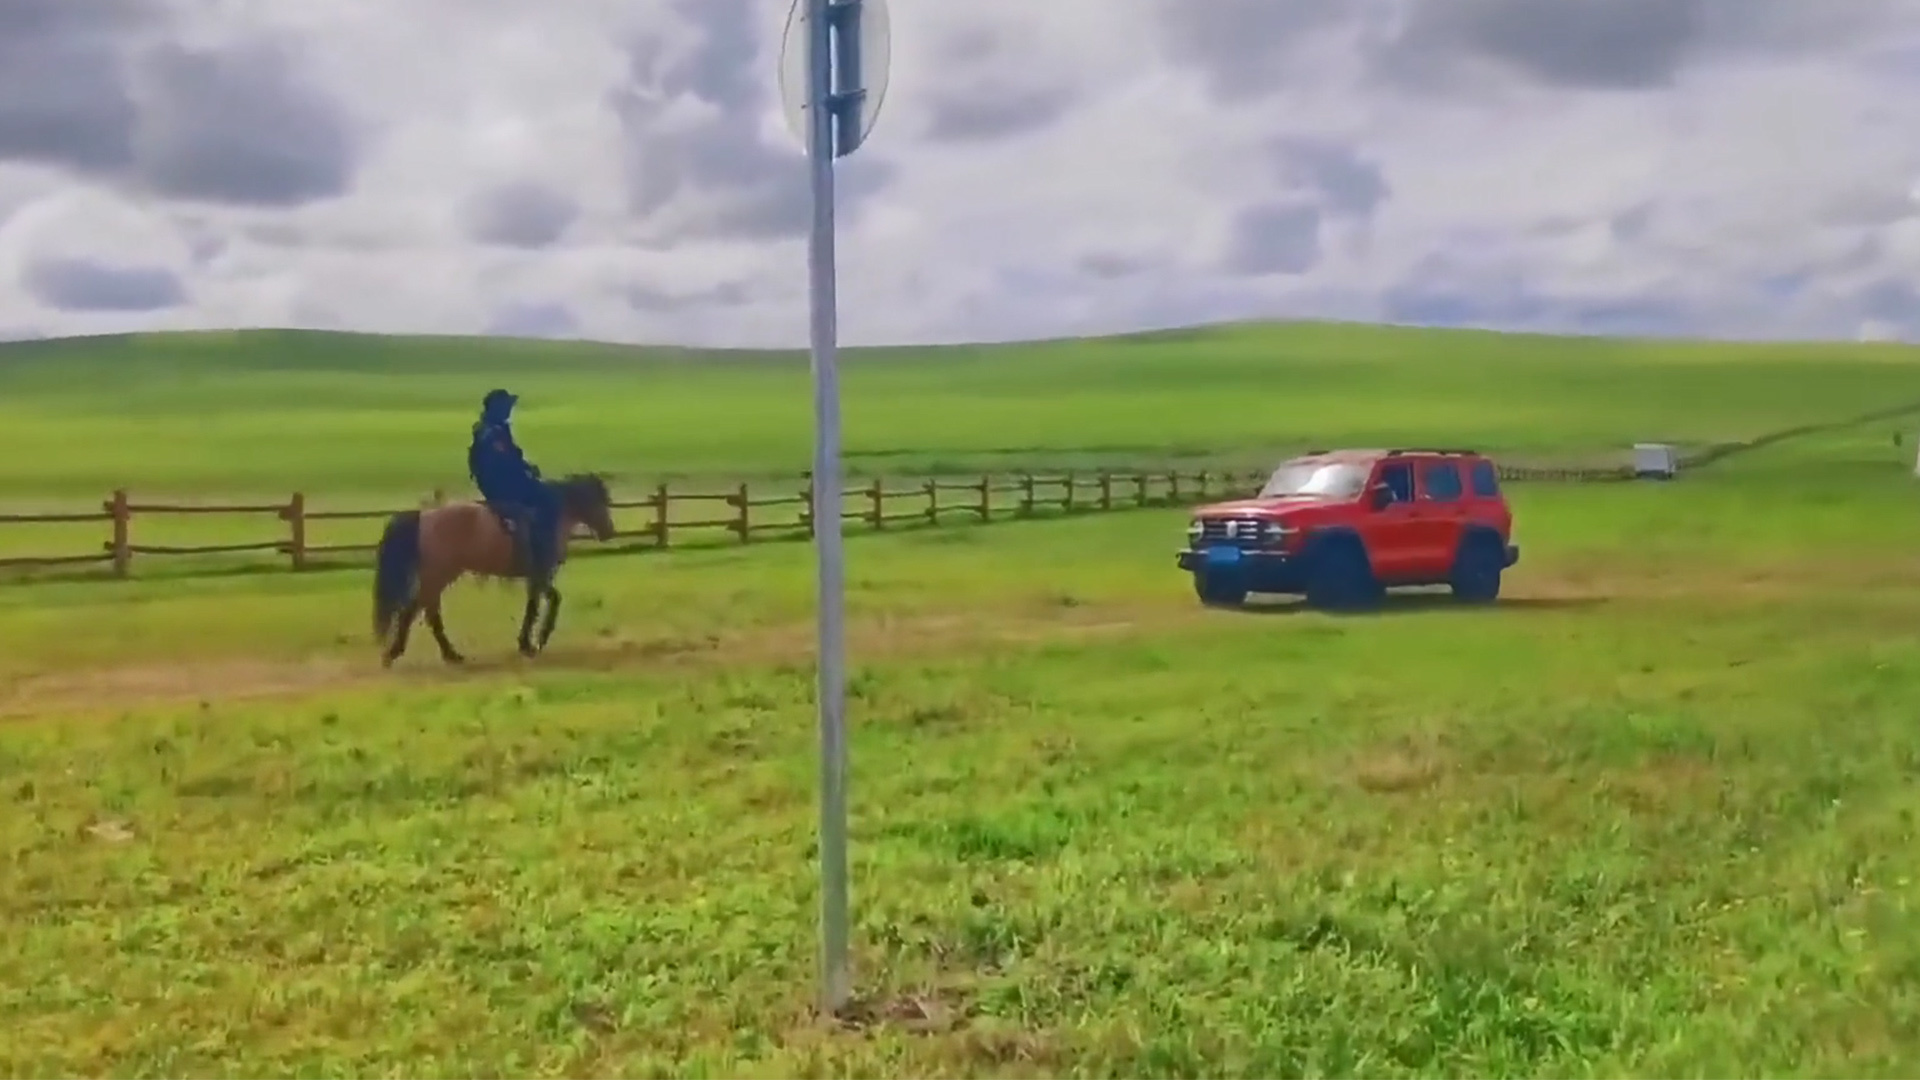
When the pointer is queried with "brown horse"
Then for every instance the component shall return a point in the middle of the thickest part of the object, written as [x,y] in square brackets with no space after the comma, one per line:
[423,552]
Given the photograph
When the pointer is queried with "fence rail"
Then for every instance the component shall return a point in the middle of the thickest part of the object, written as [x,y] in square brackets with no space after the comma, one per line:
[665,517]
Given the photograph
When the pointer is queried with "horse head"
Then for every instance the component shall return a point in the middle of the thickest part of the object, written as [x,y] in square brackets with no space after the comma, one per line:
[584,498]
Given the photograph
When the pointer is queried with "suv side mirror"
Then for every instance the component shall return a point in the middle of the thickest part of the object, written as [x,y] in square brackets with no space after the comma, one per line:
[1379,497]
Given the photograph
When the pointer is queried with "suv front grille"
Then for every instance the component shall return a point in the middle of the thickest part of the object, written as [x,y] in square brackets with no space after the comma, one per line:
[1240,532]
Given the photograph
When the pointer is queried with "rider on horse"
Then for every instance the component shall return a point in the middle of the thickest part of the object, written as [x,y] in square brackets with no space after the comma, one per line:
[510,485]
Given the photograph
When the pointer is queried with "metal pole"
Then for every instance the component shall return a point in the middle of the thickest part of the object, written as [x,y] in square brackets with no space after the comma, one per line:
[835,979]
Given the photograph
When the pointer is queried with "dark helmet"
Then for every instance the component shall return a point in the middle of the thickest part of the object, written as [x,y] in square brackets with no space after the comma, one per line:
[498,402]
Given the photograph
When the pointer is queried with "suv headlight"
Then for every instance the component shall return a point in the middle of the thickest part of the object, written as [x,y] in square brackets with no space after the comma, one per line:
[1194,529]
[1273,532]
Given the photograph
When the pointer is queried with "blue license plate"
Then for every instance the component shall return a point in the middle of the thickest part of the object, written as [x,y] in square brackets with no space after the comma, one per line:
[1223,556]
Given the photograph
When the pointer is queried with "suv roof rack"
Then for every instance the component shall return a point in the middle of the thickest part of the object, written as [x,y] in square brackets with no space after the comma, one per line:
[1428,450]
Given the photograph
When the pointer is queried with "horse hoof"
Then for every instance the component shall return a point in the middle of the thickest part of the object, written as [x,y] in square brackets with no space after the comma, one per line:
[454,658]
[529,651]
[386,661]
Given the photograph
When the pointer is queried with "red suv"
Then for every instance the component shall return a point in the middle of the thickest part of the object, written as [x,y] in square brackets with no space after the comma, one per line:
[1342,526]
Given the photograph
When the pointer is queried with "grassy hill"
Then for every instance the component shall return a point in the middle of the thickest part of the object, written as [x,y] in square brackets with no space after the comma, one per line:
[1651,814]
[268,411]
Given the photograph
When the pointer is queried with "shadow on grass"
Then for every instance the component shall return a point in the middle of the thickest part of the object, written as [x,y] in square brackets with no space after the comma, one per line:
[1415,603]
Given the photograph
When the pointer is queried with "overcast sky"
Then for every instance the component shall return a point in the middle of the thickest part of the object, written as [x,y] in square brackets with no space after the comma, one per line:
[621,170]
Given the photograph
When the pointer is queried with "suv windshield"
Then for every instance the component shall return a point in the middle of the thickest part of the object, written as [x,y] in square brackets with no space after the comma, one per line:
[1326,481]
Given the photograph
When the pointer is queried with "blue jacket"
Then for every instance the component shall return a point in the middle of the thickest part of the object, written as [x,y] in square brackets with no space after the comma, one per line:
[499,469]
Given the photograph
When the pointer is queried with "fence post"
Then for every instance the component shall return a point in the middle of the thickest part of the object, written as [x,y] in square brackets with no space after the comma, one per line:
[1140,489]
[1026,494]
[296,517]
[877,499]
[439,497]
[986,497]
[1066,501]
[122,544]
[806,506]
[1173,487]
[744,525]
[662,500]
[1203,483]
[1106,491]
[933,502]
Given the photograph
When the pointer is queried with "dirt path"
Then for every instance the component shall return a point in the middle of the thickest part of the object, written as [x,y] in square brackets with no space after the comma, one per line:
[1574,586]
[235,679]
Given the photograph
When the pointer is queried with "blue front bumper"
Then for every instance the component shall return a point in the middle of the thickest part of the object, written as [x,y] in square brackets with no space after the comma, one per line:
[1259,571]
[1197,559]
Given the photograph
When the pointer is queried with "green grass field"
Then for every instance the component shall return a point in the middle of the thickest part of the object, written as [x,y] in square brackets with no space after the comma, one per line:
[268,412]
[1653,814]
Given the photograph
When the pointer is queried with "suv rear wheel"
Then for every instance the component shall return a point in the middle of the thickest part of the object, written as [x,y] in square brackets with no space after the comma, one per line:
[1476,570]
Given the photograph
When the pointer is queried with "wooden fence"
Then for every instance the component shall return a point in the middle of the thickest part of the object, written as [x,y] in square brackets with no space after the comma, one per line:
[664,517]
[667,517]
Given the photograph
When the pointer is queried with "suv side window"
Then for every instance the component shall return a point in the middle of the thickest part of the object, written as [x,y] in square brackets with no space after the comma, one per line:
[1441,481]
[1486,480]
[1398,476]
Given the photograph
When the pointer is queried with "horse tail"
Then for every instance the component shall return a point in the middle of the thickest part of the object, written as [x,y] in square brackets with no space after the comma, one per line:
[396,570]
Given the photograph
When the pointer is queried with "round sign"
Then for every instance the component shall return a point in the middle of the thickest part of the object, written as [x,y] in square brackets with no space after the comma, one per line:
[873,65]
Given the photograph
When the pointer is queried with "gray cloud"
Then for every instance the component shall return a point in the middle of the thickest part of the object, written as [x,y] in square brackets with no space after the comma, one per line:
[996,114]
[85,285]
[1644,317]
[64,98]
[1595,44]
[522,215]
[1417,303]
[534,319]
[1333,173]
[1275,238]
[242,125]
[1453,290]
[738,187]
[1243,46]
[1890,307]
[1632,224]
[1110,266]
[1621,44]
[1246,48]
[234,125]
[1892,299]
[656,301]
[988,90]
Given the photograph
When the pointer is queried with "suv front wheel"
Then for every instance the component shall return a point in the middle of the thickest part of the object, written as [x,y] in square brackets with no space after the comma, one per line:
[1340,578]
[1219,590]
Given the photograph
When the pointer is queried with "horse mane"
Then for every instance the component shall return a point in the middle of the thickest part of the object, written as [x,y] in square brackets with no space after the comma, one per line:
[579,482]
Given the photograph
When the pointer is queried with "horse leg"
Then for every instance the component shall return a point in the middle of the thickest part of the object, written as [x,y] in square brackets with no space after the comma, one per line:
[553,616]
[535,590]
[399,643]
[434,623]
